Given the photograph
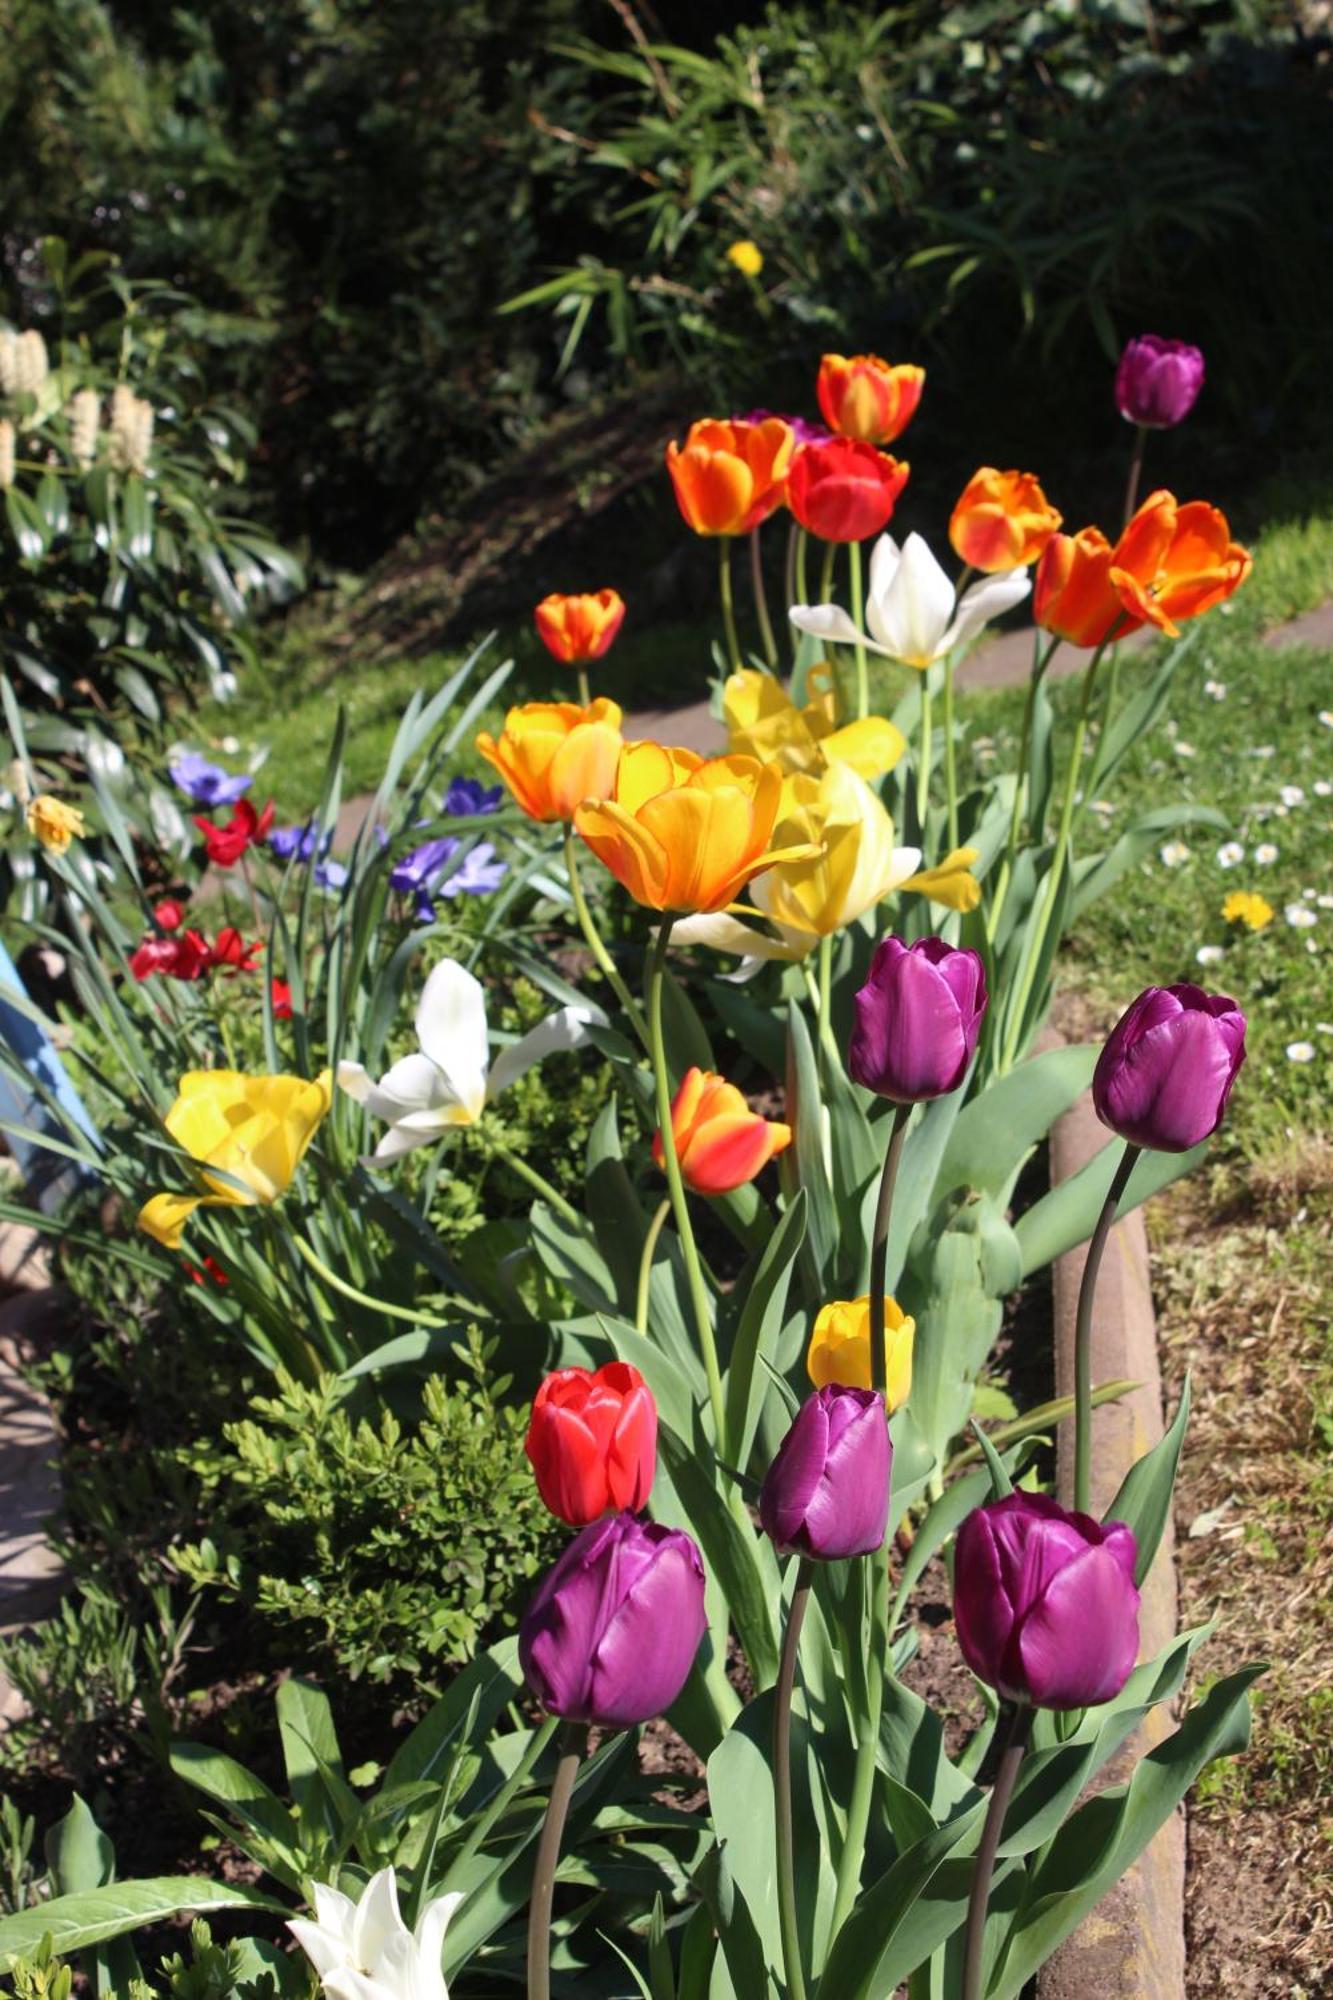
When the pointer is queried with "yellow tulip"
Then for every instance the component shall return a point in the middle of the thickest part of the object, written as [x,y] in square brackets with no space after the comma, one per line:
[682,832]
[249,1135]
[54,823]
[552,754]
[840,1348]
[951,882]
[851,862]
[763,721]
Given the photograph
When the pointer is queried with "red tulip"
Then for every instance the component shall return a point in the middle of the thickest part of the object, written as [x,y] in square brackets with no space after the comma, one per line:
[844,490]
[593,1441]
[282,999]
[169,915]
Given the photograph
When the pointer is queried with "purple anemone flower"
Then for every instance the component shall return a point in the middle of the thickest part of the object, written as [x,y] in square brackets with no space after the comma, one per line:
[206,784]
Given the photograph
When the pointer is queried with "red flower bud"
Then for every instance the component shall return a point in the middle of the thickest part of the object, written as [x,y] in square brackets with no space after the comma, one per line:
[593,1441]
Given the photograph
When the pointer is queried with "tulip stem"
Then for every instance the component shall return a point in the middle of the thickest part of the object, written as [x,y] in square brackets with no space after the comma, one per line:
[923,765]
[879,1248]
[646,1264]
[521,1772]
[346,1291]
[770,644]
[791,1639]
[728,608]
[1040,661]
[852,1857]
[548,1858]
[585,692]
[703,1318]
[1083,1330]
[950,760]
[1006,1776]
[858,613]
[1135,471]
[789,585]
[537,1182]
[802,586]
[605,963]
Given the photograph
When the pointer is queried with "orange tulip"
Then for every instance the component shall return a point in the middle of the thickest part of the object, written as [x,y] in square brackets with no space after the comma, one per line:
[720,1142]
[1073,595]
[729,476]
[1003,520]
[553,754]
[684,833]
[864,398]
[579,628]
[1174,563]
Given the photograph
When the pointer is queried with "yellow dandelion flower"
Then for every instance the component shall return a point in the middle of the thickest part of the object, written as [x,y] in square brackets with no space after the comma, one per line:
[1243,906]
[746,256]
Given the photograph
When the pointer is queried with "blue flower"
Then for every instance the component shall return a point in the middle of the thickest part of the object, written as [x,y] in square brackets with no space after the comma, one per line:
[479,873]
[331,875]
[290,841]
[206,784]
[417,873]
[416,869]
[467,796]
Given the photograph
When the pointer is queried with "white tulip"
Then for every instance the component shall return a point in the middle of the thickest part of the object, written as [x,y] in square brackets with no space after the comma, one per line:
[364,1950]
[911,610]
[450,1079]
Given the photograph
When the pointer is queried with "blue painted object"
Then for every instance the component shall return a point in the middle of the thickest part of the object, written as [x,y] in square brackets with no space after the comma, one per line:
[49,1177]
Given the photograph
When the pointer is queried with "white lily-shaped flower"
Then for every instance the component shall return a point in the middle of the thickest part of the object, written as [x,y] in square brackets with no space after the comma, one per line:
[450,1079]
[364,1951]
[910,607]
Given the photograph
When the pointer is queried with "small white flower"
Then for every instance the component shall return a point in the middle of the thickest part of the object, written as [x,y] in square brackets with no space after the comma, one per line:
[231,744]
[1307,895]
[1265,854]
[1210,954]
[1230,854]
[1301,1052]
[1292,795]
[1323,789]
[1326,717]
[1215,690]
[1102,807]
[1184,749]
[1312,946]
[1324,1027]
[1174,853]
[1264,750]
[364,1950]
[1299,917]
[1325,901]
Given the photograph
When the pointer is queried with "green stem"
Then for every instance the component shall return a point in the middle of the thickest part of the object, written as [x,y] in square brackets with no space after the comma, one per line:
[852,1858]
[1087,1292]
[826,573]
[923,766]
[728,608]
[346,1291]
[802,586]
[703,1318]
[789,585]
[537,1182]
[787,1923]
[770,644]
[950,758]
[605,963]
[879,1247]
[585,692]
[544,1867]
[858,613]
[1135,472]
[646,1264]
[481,1829]
[983,1868]
[1022,782]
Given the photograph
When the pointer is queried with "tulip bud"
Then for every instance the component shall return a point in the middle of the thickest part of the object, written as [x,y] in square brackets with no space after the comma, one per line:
[720,1142]
[917,1019]
[1158,381]
[1045,1603]
[554,754]
[839,1350]
[593,1441]
[864,397]
[579,628]
[611,1634]
[1001,519]
[827,1491]
[1166,1071]
[844,490]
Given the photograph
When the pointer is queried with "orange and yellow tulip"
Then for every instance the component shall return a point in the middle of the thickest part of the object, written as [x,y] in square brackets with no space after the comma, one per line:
[1175,562]
[1073,595]
[865,398]
[554,754]
[720,1142]
[1002,520]
[839,1349]
[729,475]
[579,628]
[682,833]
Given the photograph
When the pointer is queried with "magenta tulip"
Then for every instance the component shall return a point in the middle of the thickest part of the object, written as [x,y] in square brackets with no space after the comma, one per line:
[827,1491]
[1166,1072]
[611,1634]
[1158,381]
[917,1019]
[1045,1604]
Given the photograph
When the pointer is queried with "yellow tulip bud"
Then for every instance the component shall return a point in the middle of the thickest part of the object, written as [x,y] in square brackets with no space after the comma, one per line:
[840,1348]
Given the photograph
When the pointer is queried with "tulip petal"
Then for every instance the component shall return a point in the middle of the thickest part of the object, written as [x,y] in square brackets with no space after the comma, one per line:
[912,615]
[566,1029]
[723,932]
[165,1217]
[1079,1641]
[451,1028]
[830,623]
[984,601]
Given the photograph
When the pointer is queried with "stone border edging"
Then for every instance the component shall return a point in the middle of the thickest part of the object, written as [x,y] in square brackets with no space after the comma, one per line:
[1132,1946]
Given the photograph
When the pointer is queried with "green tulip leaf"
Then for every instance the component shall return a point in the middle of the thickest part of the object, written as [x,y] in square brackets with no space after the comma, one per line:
[761,1321]
[77,1923]
[1144,1500]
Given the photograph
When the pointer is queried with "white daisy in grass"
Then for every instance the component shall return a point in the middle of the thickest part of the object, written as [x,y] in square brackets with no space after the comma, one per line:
[1230,854]
[1326,717]
[1215,690]
[1300,1052]
[1325,901]
[1300,917]
[1323,788]
[1174,854]
[1183,749]
[1209,954]
[1264,750]
[1265,854]
[1292,795]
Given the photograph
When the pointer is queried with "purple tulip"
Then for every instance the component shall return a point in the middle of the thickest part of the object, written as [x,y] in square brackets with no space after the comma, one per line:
[1045,1603]
[801,428]
[612,1631]
[1166,1072]
[206,784]
[827,1491]
[917,1019]
[1158,381]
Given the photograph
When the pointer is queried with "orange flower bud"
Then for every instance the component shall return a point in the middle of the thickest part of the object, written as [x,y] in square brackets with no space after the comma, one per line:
[720,1142]
[554,754]
[579,628]
[684,833]
[864,398]
[729,476]
[1003,520]
[1174,563]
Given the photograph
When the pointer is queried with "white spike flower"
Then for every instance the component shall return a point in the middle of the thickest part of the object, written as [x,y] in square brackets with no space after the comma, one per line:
[364,1951]
[85,416]
[450,1080]
[911,610]
[7,443]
